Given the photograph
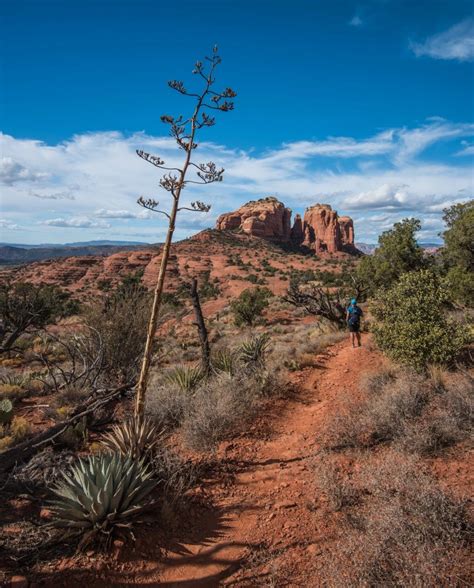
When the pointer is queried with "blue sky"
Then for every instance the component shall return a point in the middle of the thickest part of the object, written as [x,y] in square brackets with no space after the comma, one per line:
[365,105]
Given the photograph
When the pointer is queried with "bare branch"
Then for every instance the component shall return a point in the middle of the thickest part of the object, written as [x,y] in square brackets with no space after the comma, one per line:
[151,204]
[197,206]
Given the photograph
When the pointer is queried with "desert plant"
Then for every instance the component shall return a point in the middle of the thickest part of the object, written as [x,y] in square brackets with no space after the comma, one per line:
[249,305]
[184,130]
[412,327]
[101,493]
[6,411]
[187,378]
[26,308]
[224,360]
[133,437]
[253,352]
[19,429]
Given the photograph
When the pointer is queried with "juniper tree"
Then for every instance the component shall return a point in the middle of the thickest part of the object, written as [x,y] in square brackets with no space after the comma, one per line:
[175,179]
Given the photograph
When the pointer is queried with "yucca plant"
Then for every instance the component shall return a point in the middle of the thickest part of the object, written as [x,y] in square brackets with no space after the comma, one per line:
[224,361]
[101,493]
[133,437]
[253,352]
[187,378]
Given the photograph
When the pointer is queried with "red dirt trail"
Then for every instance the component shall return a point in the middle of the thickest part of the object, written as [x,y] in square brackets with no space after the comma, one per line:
[265,523]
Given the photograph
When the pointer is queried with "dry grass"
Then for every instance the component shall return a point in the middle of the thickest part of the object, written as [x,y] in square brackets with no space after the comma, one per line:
[409,533]
[417,413]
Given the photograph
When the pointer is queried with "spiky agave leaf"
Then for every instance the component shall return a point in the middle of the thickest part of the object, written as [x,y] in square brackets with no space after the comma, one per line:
[253,352]
[224,360]
[135,437]
[187,378]
[101,492]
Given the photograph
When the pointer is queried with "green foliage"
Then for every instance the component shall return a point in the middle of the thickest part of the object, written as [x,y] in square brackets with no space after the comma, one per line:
[412,327]
[101,492]
[187,378]
[6,411]
[397,253]
[25,307]
[253,352]
[133,437]
[458,251]
[249,306]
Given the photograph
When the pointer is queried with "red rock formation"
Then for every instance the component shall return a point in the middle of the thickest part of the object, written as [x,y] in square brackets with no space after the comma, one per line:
[346,225]
[322,230]
[267,218]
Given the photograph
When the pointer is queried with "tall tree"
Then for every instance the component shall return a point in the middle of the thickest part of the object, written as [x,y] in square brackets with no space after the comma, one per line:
[184,130]
[398,252]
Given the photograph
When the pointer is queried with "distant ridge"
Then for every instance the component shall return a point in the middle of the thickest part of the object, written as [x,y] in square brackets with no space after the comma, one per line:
[20,254]
[74,244]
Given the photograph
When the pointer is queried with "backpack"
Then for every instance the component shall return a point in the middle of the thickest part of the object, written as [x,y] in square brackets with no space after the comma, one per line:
[354,316]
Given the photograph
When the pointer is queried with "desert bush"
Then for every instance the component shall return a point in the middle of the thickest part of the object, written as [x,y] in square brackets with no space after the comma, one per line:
[409,534]
[249,306]
[408,409]
[411,322]
[19,429]
[166,404]
[121,320]
[217,410]
[333,482]
[26,308]
[100,493]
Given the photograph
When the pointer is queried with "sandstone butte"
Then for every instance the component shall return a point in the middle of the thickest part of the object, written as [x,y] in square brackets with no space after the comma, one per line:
[320,230]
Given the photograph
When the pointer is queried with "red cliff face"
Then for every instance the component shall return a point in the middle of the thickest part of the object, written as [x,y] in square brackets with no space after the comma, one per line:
[322,230]
[346,226]
[267,218]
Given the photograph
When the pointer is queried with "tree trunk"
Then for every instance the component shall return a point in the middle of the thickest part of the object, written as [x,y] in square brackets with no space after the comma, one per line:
[202,330]
[153,322]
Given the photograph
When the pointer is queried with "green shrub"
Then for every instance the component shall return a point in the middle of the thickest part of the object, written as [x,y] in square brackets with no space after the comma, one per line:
[249,306]
[412,327]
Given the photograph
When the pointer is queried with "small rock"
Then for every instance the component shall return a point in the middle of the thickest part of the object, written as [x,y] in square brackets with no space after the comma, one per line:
[19,582]
[285,504]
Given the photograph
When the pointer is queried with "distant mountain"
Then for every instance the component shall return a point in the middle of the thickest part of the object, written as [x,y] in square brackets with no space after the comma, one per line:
[369,248]
[75,244]
[20,254]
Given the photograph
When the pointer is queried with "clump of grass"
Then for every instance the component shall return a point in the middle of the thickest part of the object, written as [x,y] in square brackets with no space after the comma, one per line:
[19,429]
[409,534]
[406,409]
[333,482]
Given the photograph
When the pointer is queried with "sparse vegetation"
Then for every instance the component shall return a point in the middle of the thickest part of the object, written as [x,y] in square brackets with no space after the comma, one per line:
[249,306]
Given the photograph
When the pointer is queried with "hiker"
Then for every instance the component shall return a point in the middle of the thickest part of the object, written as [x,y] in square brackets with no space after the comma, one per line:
[353,315]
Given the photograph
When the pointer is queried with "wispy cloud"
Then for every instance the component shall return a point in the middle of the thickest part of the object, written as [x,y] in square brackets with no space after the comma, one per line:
[54,196]
[75,223]
[8,225]
[455,43]
[356,21]
[123,214]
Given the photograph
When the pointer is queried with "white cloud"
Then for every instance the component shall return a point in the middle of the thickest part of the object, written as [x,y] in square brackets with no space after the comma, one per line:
[387,173]
[468,149]
[12,172]
[76,223]
[356,21]
[9,226]
[55,196]
[455,43]
[123,214]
